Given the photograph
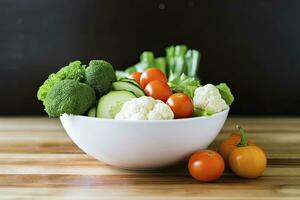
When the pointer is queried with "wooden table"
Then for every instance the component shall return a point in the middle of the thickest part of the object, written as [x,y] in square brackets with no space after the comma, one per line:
[39,161]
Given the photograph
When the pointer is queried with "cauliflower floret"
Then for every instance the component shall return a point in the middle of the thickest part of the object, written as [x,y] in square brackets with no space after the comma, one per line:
[208,98]
[145,108]
[160,111]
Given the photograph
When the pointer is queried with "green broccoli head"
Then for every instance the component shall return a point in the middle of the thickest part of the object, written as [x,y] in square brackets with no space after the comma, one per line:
[43,90]
[74,71]
[100,75]
[69,96]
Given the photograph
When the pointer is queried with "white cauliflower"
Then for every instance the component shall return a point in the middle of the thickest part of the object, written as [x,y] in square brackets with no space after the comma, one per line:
[208,98]
[145,108]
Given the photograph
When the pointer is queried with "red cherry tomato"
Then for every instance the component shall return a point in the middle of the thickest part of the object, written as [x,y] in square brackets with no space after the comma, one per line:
[158,90]
[181,105]
[206,165]
[150,75]
[136,76]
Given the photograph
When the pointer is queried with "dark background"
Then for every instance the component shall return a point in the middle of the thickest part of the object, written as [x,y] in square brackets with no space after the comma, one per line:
[252,45]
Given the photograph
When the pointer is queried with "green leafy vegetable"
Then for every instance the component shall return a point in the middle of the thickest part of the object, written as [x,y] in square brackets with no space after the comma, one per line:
[147,60]
[74,71]
[100,75]
[69,96]
[161,64]
[175,59]
[192,59]
[198,112]
[178,60]
[131,69]
[184,84]
[225,93]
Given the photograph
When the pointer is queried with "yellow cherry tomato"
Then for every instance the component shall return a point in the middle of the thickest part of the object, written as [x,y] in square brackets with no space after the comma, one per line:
[247,161]
[229,144]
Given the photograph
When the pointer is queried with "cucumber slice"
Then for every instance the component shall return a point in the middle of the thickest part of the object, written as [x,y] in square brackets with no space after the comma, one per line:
[128,86]
[130,81]
[92,112]
[110,104]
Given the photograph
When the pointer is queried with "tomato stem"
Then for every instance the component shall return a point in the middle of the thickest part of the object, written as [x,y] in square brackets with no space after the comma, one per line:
[243,141]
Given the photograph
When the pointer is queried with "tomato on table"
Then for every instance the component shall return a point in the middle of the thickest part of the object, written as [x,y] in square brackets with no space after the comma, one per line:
[181,105]
[158,90]
[229,145]
[247,161]
[150,75]
[136,76]
[206,165]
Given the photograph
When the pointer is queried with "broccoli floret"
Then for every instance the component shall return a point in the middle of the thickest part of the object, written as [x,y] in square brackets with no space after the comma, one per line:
[69,96]
[74,71]
[43,90]
[100,75]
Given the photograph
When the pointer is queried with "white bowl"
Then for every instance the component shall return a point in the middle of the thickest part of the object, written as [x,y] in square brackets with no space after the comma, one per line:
[142,144]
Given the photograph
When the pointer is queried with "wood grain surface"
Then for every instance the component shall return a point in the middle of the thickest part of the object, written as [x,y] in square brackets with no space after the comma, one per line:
[39,161]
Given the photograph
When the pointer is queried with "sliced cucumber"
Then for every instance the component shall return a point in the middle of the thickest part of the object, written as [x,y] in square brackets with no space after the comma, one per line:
[110,104]
[123,85]
[130,81]
[92,112]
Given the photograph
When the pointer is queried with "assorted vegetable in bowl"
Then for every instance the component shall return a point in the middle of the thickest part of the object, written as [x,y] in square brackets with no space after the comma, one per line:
[163,88]
[171,82]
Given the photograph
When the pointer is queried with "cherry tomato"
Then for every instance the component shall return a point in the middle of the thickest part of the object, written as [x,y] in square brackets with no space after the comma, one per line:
[158,90]
[181,105]
[248,161]
[150,75]
[136,76]
[206,165]
[229,144]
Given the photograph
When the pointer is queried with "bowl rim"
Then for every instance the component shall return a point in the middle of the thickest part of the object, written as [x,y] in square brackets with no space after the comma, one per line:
[147,121]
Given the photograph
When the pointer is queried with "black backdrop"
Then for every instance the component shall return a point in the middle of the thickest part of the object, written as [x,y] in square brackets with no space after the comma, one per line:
[252,45]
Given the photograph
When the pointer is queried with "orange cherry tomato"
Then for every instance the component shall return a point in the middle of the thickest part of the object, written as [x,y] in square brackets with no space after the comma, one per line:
[150,75]
[158,90]
[206,165]
[229,144]
[247,161]
[181,105]
[136,76]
